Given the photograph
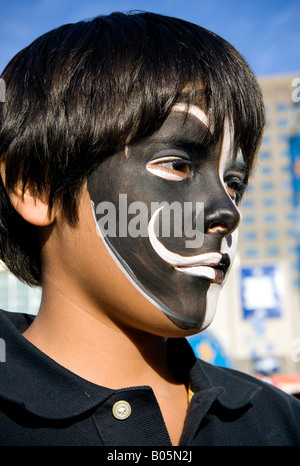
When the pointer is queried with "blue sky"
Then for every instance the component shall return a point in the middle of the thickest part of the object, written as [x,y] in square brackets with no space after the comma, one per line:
[266,32]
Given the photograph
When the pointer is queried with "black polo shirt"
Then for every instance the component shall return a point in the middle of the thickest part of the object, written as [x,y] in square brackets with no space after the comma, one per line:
[44,404]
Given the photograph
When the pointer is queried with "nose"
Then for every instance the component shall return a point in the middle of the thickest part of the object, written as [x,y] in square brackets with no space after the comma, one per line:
[221,215]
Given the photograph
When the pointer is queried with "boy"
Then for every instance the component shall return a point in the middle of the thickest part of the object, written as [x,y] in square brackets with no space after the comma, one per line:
[126,145]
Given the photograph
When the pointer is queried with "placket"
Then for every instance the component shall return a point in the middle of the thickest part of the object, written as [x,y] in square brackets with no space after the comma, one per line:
[200,404]
[131,417]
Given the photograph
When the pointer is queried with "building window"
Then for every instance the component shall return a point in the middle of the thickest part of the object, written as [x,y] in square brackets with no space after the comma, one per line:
[283,137]
[290,217]
[249,219]
[295,283]
[15,296]
[264,155]
[267,186]
[294,266]
[285,154]
[288,201]
[292,249]
[291,233]
[266,139]
[282,107]
[266,170]
[282,122]
[271,234]
[286,168]
[273,251]
[286,184]
[270,218]
[250,236]
[251,252]
[247,203]
[269,202]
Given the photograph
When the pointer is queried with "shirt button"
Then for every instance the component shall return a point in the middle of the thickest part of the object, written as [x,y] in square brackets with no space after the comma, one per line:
[121,410]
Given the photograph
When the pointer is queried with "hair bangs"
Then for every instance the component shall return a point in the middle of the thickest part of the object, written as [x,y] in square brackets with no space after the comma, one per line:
[91,88]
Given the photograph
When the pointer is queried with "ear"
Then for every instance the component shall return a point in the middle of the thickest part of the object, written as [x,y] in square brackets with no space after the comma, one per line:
[32,208]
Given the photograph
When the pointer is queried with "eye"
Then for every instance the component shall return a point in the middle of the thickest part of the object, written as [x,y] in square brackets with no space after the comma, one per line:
[235,188]
[170,168]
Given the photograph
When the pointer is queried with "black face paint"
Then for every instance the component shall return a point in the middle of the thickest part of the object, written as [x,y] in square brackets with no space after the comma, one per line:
[176,167]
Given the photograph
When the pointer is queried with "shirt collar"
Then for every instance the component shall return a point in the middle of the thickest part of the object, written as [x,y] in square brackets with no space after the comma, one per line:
[235,389]
[35,382]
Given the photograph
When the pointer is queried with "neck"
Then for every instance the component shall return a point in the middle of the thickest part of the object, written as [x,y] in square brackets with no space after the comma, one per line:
[103,353]
[96,349]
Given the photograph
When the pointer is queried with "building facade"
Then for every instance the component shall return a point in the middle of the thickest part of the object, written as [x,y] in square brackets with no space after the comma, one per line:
[258,321]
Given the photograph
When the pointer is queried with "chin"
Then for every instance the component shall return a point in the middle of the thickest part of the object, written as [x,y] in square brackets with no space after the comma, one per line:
[202,318]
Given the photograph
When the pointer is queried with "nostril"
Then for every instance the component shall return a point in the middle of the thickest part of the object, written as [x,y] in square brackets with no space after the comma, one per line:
[217,227]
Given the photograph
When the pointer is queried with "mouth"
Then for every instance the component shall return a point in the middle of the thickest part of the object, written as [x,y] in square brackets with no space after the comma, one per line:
[213,270]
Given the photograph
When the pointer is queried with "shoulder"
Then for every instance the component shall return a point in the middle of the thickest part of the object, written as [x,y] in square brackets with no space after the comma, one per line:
[249,410]
[18,320]
[232,380]
[267,401]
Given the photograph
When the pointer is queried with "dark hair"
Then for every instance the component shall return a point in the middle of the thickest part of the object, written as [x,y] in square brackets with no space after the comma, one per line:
[81,92]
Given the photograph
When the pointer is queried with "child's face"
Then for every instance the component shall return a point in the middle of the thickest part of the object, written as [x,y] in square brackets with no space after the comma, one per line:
[177,261]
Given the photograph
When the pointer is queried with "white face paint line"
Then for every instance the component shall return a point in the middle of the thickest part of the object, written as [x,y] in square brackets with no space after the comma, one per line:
[177,260]
[212,298]
[225,154]
[226,147]
[214,290]
[199,271]
[230,250]
[153,168]
[192,110]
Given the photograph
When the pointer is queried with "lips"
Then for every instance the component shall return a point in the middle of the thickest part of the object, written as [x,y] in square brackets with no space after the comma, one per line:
[210,269]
